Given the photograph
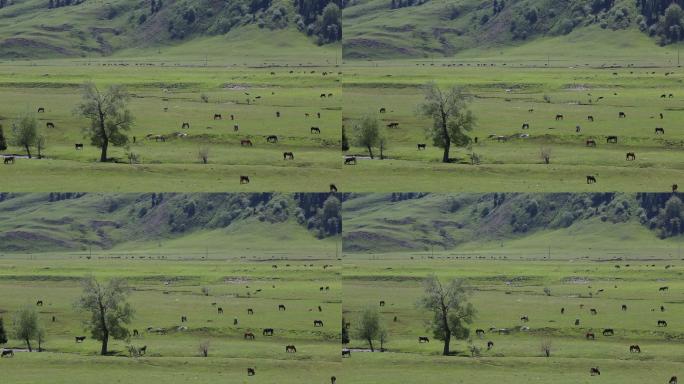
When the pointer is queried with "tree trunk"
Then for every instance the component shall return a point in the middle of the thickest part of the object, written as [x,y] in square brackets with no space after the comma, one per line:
[105,341]
[28,344]
[103,154]
[370,343]
[370,152]
[28,151]
[105,139]
[447,340]
[447,139]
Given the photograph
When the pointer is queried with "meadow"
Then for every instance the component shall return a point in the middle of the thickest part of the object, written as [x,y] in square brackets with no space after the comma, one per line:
[517,85]
[167,285]
[165,95]
[506,286]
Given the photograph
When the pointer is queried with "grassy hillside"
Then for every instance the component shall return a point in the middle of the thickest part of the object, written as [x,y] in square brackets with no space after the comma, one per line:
[379,29]
[576,224]
[91,28]
[166,222]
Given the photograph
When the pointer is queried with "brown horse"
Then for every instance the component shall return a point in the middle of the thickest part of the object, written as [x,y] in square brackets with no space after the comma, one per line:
[246,143]
[249,336]
[591,143]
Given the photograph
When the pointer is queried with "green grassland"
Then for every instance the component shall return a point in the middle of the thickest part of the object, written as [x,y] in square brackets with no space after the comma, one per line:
[174,164]
[503,89]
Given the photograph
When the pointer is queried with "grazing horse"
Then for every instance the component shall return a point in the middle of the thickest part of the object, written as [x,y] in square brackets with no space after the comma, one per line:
[323,95]
[559,117]
[235,321]
[591,179]
[250,311]
[78,146]
[590,336]
[577,321]
[621,115]
[9,160]
[608,332]
[421,146]
[662,308]
[663,289]
[39,303]
[591,143]
[318,114]
[290,349]
[185,126]
[220,311]
[480,332]
[277,113]
[634,348]
[662,323]
[315,130]
[246,142]
[673,380]
[143,350]
[594,371]
[661,115]
[267,332]
[350,160]
[333,188]
[184,319]
[346,353]
[590,118]
[251,372]
[562,310]
[281,307]
[272,139]
[41,110]
[318,323]
[236,128]
[624,307]
[524,318]
[249,336]
[526,126]
[612,139]
[631,156]
[593,311]
[382,303]
[136,333]
[288,156]
[333,379]
[217,116]
[50,125]
[674,188]
[79,339]
[244,179]
[393,125]
[383,110]
[7,353]
[659,130]
[423,339]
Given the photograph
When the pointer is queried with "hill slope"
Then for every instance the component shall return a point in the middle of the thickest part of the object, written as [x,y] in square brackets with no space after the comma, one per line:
[70,221]
[378,29]
[75,28]
[422,222]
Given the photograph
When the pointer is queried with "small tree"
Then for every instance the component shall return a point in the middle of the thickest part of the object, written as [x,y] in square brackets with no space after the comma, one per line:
[450,307]
[546,347]
[368,133]
[41,141]
[108,114]
[3,333]
[3,141]
[40,337]
[450,116]
[26,325]
[25,131]
[108,309]
[382,143]
[368,326]
[203,154]
[204,348]
[383,336]
[545,154]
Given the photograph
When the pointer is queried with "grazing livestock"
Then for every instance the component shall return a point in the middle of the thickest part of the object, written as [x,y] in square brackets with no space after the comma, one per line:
[631,156]
[590,118]
[350,160]
[612,139]
[661,115]
[218,116]
[136,333]
[594,371]
[662,308]
[249,336]
[591,143]
[267,332]
[382,303]
[251,372]
[318,323]
[422,146]
[333,379]
[39,303]
[281,307]
[524,318]
[79,339]
[608,332]
[315,130]
[423,339]
[143,350]
[634,349]
[41,110]
[383,110]
[54,318]
[290,348]
[593,311]
[244,179]
[333,188]
[562,310]
[480,332]
[591,179]
[674,188]
[318,114]
[662,323]
[663,289]
[624,307]
[621,115]
[526,126]
[277,113]
[185,126]
[590,336]
[246,143]
[559,117]
[49,125]
[78,146]
[577,321]
[235,320]
[346,353]
[9,160]
[320,309]
[250,311]
[673,380]
[272,139]
[660,131]
[7,353]
[393,125]
[236,128]
[220,311]
[288,156]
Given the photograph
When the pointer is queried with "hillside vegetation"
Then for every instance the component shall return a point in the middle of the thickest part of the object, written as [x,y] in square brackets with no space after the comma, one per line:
[419,222]
[427,28]
[79,221]
[69,28]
